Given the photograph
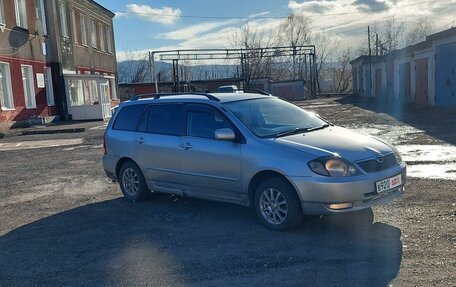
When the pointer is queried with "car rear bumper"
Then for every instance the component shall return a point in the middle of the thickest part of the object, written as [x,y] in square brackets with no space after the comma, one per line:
[320,195]
[109,166]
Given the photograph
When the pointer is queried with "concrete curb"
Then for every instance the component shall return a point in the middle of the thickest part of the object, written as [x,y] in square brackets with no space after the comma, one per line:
[53,131]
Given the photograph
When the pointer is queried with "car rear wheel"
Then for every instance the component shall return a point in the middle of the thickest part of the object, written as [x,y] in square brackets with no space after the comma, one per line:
[277,205]
[132,182]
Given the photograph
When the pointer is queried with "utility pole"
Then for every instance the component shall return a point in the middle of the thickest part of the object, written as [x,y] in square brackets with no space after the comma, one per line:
[370,60]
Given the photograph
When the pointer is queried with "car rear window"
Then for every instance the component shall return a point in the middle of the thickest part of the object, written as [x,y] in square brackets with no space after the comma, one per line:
[128,117]
[165,119]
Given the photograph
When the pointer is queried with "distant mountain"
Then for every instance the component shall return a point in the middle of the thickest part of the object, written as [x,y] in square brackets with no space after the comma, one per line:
[140,71]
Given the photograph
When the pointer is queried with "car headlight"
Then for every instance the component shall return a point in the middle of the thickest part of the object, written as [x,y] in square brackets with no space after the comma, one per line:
[397,155]
[333,166]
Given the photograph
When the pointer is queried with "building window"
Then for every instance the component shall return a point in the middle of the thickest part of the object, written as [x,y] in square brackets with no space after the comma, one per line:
[102,37]
[75,30]
[63,19]
[108,39]
[6,94]
[21,13]
[2,14]
[93,32]
[84,30]
[40,15]
[49,86]
[29,86]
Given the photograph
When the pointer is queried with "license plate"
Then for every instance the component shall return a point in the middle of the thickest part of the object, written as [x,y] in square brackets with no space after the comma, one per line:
[389,183]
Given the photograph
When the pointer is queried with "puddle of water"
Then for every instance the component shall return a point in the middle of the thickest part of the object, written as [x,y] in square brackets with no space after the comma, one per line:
[432,171]
[38,144]
[393,134]
[428,153]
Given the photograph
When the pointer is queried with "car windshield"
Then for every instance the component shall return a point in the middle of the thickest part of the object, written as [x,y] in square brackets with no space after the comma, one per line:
[272,117]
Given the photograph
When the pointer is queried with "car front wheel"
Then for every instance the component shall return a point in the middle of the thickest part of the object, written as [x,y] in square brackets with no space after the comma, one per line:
[277,205]
[132,182]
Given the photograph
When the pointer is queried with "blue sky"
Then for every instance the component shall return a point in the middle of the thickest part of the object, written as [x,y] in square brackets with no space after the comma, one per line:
[152,25]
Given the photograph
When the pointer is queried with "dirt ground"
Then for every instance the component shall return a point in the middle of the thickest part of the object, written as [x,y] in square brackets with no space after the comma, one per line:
[63,223]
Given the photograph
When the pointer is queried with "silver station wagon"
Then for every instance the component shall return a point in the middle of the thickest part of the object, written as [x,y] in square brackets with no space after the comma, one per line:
[248,148]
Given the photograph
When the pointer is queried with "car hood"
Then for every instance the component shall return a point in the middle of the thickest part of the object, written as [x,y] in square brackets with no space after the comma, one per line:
[334,140]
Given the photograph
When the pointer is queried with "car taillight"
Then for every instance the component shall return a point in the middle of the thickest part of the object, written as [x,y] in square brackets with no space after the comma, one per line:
[104,145]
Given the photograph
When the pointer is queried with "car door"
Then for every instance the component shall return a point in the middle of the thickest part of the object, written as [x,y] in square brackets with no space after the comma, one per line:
[157,149]
[210,168]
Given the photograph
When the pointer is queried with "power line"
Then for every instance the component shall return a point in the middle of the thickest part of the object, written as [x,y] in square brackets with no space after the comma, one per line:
[267,17]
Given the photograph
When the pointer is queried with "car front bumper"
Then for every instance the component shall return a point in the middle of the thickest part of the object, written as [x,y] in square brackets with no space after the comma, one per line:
[322,195]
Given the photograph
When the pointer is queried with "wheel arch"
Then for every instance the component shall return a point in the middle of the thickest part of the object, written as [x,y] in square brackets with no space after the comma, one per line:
[262,175]
[120,162]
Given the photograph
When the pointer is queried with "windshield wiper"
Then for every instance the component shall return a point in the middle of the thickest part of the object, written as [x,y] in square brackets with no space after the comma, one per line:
[299,130]
[291,132]
[318,128]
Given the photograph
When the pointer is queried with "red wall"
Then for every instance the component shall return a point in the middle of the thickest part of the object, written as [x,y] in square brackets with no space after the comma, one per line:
[144,89]
[20,112]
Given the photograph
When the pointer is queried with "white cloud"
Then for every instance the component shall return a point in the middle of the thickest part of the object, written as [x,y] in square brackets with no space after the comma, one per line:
[346,22]
[164,15]
[195,30]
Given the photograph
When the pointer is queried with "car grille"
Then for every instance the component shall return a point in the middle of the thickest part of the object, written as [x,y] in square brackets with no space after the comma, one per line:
[373,165]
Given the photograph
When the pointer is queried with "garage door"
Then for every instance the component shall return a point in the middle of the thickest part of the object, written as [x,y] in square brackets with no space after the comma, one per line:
[445,75]
[421,81]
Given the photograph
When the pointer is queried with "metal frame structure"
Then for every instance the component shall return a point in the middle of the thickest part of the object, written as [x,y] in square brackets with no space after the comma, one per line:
[293,52]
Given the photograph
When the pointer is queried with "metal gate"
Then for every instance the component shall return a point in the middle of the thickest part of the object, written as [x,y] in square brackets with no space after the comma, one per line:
[445,75]
[405,93]
[421,81]
[378,83]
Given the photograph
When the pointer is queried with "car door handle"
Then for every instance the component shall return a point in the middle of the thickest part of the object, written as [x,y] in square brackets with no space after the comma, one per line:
[186,146]
[140,140]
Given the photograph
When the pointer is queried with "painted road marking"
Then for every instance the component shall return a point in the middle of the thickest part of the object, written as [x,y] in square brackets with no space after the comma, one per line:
[39,144]
[102,127]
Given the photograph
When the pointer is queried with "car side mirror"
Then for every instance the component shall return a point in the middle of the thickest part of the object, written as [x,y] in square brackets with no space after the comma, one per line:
[225,134]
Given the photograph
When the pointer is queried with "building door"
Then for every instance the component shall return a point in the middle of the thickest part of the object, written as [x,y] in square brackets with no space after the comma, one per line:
[445,75]
[405,93]
[105,98]
[421,81]
[378,83]
[390,78]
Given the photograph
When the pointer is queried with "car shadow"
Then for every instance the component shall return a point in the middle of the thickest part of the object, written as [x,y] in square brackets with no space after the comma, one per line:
[175,241]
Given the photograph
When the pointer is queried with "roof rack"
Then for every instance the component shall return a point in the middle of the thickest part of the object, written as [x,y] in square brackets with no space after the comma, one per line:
[160,95]
[253,91]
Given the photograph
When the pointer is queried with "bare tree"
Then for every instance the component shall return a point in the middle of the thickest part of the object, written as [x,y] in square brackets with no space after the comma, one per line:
[134,69]
[325,46]
[295,31]
[418,31]
[253,64]
[392,34]
[340,75]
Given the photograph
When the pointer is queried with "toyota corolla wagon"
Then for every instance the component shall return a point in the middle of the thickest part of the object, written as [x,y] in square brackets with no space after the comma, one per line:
[248,148]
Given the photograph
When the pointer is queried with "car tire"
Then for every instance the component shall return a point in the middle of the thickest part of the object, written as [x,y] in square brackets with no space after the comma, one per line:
[132,182]
[277,205]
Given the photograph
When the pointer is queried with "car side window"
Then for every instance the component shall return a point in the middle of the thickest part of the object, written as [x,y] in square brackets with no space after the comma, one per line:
[128,117]
[203,124]
[165,119]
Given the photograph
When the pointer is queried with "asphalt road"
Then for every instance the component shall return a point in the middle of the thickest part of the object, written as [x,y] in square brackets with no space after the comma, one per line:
[63,223]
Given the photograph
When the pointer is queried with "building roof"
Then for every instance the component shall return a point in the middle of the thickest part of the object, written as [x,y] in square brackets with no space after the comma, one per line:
[110,13]
[442,34]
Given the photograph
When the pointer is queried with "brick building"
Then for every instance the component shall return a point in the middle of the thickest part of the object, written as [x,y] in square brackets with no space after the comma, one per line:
[57,58]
